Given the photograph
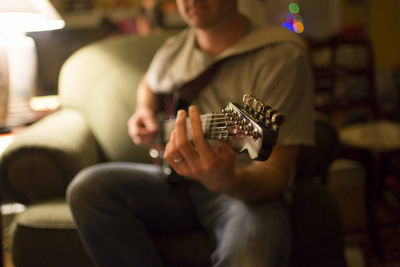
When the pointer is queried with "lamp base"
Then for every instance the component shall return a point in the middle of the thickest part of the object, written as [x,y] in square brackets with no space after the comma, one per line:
[21,68]
[19,112]
[4,83]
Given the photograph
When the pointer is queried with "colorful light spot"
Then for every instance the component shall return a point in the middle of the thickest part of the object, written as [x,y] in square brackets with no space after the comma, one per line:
[294,8]
[299,18]
[288,26]
[298,26]
[289,18]
[293,19]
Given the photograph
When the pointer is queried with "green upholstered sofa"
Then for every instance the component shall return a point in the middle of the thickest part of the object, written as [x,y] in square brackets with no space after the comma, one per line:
[97,91]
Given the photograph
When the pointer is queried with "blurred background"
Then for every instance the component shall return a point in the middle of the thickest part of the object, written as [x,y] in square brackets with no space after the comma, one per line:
[318,22]
[354,49]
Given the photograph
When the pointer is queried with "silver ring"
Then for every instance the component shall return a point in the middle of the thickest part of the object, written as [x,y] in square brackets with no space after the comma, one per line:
[179,160]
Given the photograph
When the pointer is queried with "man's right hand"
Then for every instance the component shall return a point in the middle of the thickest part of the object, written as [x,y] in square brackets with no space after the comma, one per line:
[142,127]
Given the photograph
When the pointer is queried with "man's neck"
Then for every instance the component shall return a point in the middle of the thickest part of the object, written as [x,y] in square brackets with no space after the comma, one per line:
[215,40]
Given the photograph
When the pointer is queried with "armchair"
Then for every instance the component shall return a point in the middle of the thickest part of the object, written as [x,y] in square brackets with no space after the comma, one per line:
[97,91]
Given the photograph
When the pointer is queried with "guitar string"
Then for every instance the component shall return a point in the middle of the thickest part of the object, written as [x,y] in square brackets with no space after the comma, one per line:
[210,128]
[210,121]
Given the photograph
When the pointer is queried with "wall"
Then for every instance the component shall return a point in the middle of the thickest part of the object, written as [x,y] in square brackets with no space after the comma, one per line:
[354,12]
[321,16]
[385,32]
[380,17]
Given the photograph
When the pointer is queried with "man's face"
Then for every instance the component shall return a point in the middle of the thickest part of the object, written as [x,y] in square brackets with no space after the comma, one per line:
[205,14]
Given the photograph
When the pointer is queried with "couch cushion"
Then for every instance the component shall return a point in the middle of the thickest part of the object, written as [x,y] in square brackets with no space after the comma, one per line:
[45,235]
[52,214]
[101,80]
[43,158]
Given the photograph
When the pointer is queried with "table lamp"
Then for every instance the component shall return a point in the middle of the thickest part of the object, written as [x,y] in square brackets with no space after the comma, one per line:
[18,59]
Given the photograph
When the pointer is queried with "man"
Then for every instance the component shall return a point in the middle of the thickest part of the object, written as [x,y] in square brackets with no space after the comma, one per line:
[117,206]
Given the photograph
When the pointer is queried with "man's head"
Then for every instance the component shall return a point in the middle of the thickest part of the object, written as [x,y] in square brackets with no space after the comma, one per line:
[206,14]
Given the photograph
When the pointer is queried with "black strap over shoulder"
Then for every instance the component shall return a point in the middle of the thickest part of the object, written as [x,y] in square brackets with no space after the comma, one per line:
[182,97]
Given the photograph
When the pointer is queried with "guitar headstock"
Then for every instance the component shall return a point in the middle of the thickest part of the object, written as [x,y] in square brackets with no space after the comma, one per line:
[252,127]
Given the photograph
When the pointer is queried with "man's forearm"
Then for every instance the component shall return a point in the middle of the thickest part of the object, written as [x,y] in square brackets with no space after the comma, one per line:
[258,182]
[264,180]
[145,97]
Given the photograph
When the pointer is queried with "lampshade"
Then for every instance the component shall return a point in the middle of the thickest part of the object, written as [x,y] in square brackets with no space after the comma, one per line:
[29,16]
[18,59]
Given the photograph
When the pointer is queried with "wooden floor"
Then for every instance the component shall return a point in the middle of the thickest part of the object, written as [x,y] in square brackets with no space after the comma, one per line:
[347,184]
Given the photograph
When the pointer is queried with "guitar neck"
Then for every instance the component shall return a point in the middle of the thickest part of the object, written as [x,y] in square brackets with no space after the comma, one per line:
[213,125]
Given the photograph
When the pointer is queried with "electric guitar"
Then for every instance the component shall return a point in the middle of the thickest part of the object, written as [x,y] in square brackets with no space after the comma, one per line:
[250,128]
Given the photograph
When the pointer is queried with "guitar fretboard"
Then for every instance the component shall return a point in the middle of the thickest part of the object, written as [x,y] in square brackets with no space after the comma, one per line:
[214,127]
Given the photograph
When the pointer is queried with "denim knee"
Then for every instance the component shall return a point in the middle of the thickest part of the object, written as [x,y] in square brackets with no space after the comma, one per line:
[255,235]
[80,190]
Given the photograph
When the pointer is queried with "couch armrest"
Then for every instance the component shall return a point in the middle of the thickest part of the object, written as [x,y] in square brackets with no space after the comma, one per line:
[43,158]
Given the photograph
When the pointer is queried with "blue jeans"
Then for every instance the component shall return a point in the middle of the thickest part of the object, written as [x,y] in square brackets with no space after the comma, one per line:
[118,206]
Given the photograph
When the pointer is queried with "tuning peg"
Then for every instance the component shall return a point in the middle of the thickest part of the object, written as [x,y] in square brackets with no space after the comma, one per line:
[269,113]
[246,99]
[278,119]
[258,106]
[266,111]
[251,101]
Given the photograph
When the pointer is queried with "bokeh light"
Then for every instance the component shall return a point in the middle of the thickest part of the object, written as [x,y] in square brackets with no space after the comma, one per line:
[288,26]
[294,8]
[299,18]
[293,19]
[298,26]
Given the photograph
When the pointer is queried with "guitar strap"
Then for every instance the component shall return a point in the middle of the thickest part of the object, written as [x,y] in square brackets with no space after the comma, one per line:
[182,97]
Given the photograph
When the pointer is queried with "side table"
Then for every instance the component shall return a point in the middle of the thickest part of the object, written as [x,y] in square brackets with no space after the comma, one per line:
[39,107]
[372,144]
[5,140]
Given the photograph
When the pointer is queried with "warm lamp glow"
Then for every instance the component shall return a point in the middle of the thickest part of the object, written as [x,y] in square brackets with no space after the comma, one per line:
[18,60]
[28,16]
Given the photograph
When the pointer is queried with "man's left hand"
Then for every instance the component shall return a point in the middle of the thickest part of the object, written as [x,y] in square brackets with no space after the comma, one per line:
[213,167]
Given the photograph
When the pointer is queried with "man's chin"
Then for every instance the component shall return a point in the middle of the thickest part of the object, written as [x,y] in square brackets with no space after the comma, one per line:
[200,23]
